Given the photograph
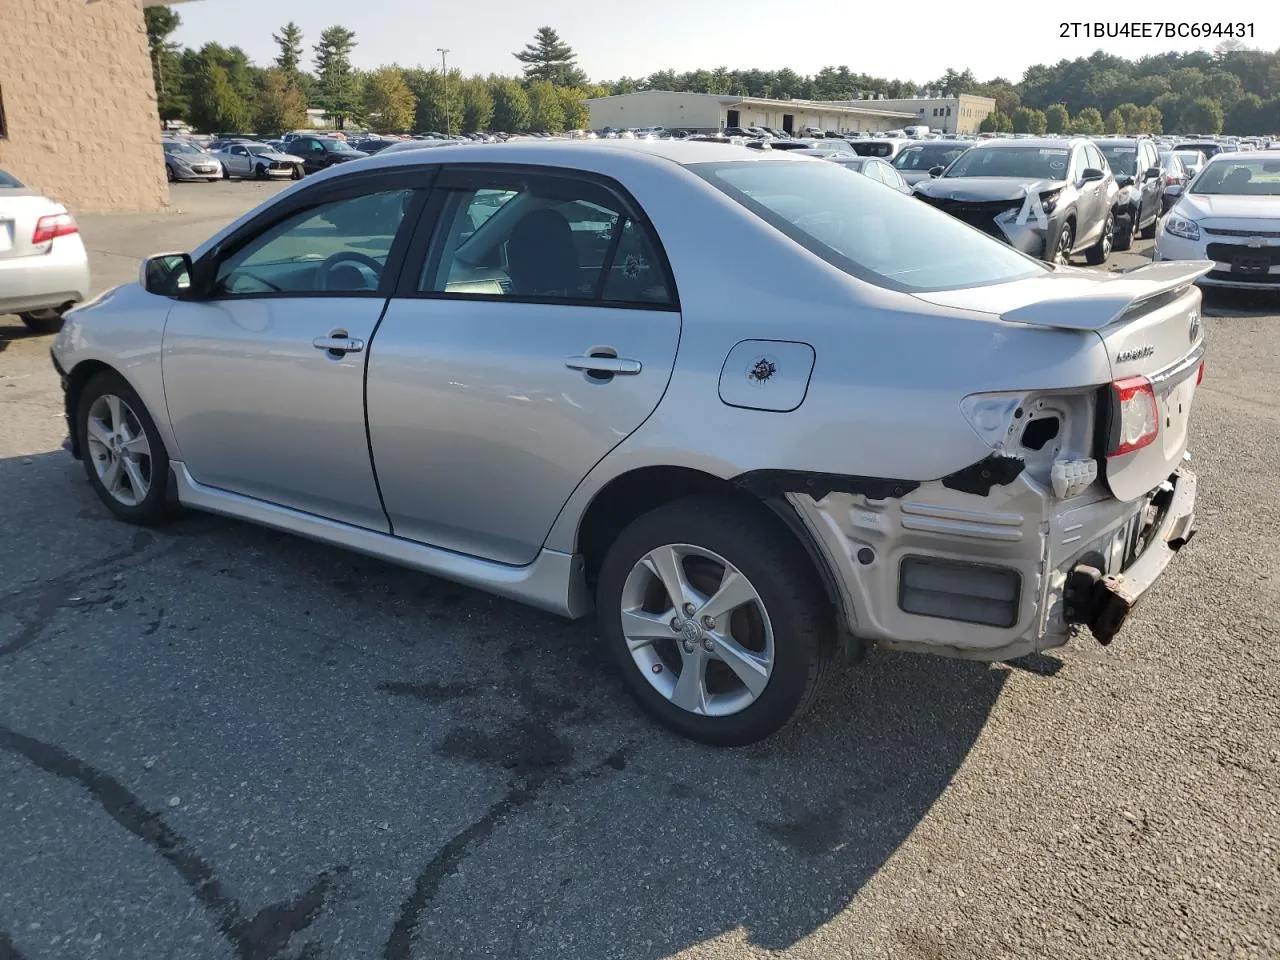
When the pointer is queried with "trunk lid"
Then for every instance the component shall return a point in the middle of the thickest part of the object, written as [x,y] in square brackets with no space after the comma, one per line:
[1149,320]
[19,212]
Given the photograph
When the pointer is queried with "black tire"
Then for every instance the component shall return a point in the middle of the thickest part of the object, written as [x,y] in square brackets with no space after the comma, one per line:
[226,172]
[260,172]
[1149,232]
[43,321]
[783,578]
[1123,238]
[297,172]
[168,173]
[1097,255]
[1064,244]
[154,508]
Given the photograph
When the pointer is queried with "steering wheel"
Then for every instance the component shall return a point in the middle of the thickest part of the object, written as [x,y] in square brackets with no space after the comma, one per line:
[346,256]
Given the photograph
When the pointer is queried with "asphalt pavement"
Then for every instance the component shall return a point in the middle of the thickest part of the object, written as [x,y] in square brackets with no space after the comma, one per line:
[217,741]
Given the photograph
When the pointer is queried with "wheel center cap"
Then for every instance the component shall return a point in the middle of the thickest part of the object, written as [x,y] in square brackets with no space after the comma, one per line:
[690,631]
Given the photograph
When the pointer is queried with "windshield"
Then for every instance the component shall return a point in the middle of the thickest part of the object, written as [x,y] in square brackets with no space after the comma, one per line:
[181,148]
[1241,178]
[851,163]
[1192,158]
[256,148]
[9,180]
[337,146]
[878,235]
[927,156]
[1121,157]
[1039,163]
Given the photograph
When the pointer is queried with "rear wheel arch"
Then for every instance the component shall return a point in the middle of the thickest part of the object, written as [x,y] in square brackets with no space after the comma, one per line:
[637,492]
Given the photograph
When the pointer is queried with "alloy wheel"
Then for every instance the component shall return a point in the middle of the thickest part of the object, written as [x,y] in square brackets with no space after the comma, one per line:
[119,451]
[697,630]
[1066,238]
[1108,236]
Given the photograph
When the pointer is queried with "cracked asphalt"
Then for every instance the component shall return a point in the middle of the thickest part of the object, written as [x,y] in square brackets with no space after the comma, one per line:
[217,741]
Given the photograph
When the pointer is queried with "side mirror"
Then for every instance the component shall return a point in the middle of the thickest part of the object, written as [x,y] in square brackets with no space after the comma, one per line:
[1173,190]
[1152,173]
[936,172]
[166,274]
[1091,175]
[1123,179]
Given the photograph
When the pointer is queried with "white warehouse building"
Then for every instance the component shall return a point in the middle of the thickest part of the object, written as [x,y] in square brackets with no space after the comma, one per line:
[710,112]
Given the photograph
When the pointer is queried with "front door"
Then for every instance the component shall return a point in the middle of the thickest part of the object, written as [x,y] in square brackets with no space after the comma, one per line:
[537,332]
[264,373]
[734,119]
[788,123]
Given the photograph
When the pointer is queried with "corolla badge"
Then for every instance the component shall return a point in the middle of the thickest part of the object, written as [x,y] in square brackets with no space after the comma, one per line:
[1135,353]
[1193,326]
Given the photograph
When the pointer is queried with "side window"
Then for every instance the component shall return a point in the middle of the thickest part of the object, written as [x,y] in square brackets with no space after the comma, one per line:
[336,247]
[893,178]
[1095,159]
[1076,168]
[542,239]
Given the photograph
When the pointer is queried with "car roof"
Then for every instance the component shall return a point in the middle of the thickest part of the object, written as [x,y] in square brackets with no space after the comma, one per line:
[567,153]
[1058,142]
[1245,155]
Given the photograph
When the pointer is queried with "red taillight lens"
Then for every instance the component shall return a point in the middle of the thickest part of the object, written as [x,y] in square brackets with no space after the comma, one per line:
[54,225]
[1137,419]
[1170,180]
[1200,374]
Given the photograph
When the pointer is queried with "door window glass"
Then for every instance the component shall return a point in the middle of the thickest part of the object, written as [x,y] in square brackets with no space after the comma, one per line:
[1095,160]
[553,240]
[335,247]
[1076,168]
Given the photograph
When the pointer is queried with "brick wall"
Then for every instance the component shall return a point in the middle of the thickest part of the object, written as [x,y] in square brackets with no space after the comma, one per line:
[80,105]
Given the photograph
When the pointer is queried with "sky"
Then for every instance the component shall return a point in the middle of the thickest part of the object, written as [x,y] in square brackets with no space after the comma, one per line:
[636,38]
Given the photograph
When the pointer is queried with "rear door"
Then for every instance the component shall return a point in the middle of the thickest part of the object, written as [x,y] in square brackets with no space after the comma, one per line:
[534,329]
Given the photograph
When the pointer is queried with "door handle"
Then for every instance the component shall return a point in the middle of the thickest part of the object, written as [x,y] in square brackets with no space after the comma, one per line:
[339,345]
[612,366]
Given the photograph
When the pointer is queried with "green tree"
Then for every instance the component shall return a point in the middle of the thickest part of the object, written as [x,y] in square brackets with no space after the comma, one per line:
[166,68]
[389,104]
[1089,122]
[1149,120]
[279,106]
[439,106]
[1057,120]
[289,40]
[477,105]
[1115,122]
[545,112]
[550,58]
[573,106]
[1027,120]
[216,107]
[1203,115]
[336,81]
[996,122]
[953,83]
[510,105]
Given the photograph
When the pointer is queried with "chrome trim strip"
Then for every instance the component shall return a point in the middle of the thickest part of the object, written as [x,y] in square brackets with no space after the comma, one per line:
[1179,371]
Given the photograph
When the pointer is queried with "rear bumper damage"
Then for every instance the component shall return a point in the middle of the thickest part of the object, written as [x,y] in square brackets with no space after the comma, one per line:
[995,574]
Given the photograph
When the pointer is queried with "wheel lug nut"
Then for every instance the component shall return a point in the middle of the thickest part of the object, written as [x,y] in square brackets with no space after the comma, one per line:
[707,645]
[675,624]
[688,609]
[709,622]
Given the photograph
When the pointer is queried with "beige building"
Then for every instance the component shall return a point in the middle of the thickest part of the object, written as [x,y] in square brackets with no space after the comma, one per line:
[709,112]
[78,117]
[962,114]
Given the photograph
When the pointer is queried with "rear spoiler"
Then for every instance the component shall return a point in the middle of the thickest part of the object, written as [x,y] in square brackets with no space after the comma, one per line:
[1121,293]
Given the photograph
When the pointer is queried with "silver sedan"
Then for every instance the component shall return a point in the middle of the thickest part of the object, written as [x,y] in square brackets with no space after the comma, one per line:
[258,160]
[43,265]
[757,414]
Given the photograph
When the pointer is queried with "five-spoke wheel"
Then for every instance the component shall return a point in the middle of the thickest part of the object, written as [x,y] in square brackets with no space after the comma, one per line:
[122,451]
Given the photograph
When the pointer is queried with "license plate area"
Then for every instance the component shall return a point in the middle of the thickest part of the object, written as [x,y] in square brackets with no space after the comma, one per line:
[1251,264]
[6,235]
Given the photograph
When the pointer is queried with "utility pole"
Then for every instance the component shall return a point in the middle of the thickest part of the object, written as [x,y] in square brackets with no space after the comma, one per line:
[444,72]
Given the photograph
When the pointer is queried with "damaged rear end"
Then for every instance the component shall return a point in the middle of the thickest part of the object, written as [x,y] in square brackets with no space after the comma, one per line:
[1080,504]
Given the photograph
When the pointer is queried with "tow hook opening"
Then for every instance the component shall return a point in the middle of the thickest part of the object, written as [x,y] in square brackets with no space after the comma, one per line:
[1099,602]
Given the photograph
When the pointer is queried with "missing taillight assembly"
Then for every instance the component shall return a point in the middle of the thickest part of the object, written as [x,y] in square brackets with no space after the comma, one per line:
[1135,416]
[53,226]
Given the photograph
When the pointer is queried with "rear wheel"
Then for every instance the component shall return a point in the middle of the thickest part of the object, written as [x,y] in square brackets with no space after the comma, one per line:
[168,173]
[1098,253]
[43,321]
[715,619]
[122,452]
[1149,232]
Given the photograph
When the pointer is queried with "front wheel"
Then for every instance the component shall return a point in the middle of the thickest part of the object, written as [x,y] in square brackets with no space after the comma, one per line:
[122,452]
[1123,237]
[1149,232]
[1066,243]
[1098,253]
[297,172]
[715,619]
[261,172]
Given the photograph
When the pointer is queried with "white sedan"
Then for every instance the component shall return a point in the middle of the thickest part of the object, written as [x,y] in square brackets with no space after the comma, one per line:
[755,412]
[259,160]
[43,265]
[1229,214]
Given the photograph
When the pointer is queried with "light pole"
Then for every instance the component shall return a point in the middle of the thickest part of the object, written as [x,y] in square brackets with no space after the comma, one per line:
[444,72]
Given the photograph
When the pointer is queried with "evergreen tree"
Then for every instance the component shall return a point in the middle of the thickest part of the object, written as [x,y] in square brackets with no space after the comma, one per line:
[335,79]
[550,58]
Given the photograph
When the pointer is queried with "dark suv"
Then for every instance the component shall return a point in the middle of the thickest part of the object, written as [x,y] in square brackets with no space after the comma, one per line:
[1051,198]
[1140,176]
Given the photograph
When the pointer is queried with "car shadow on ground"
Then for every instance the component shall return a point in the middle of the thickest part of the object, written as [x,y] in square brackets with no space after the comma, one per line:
[11,329]
[568,816]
